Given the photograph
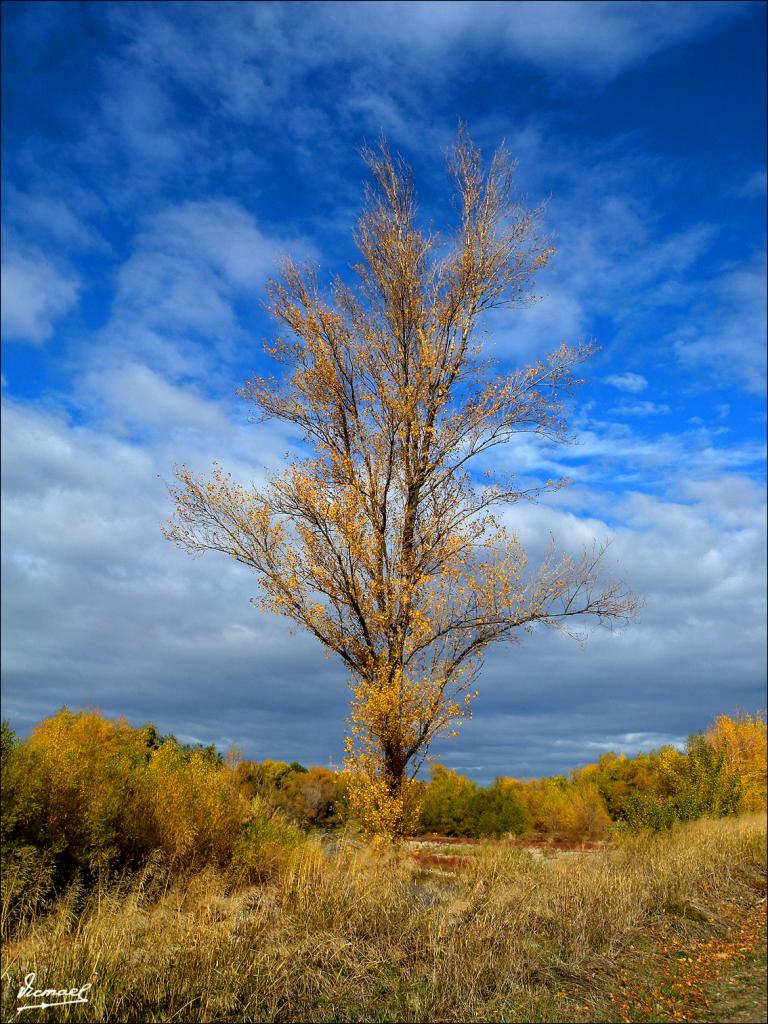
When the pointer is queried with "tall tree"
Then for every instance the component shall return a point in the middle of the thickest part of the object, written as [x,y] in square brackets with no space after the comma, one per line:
[380,542]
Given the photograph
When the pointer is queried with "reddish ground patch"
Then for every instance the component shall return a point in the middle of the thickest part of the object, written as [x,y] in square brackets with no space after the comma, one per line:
[558,844]
[444,861]
[432,837]
[522,844]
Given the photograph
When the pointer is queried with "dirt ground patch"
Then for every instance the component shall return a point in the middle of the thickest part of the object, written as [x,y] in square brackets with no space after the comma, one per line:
[442,861]
[714,974]
[434,851]
[740,994]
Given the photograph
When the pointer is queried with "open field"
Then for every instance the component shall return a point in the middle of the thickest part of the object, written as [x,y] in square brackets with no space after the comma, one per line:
[655,928]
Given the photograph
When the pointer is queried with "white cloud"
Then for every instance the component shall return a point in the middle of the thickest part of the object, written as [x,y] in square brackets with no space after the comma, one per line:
[35,295]
[612,452]
[633,382]
[723,337]
[50,217]
[630,743]
[612,239]
[525,333]
[138,115]
[129,624]
[221,233]
[591,39]
[254,62]
[170,291]
[611,246]
[640,409]
[135,394]
[191,262]
[595,40]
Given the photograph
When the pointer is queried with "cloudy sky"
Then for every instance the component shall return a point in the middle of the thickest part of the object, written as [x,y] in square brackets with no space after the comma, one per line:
[158,160]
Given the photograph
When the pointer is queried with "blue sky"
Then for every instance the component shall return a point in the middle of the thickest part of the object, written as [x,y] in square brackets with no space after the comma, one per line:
[157,162]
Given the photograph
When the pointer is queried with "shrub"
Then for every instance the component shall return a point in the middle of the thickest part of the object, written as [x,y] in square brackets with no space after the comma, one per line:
[89,769]
[697,784]
[86,793]
[447,803]
[741,740]
[497,811]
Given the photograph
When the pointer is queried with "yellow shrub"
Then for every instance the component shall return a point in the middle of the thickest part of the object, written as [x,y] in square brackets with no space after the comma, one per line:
[89,767]
[105,794]
[742,741]
[576,811]
[195,807]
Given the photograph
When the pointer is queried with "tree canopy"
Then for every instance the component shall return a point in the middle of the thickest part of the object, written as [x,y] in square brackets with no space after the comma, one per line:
[381,542]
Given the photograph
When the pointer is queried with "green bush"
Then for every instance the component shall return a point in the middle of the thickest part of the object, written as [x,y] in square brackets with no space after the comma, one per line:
[447,803]
[497,811]
[698,784]
[455,806]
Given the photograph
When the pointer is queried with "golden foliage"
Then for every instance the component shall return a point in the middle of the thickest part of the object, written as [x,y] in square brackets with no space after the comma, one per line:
[577,811]
[106,794]
[196,809]
[742,740]
[88,767]
[380,543]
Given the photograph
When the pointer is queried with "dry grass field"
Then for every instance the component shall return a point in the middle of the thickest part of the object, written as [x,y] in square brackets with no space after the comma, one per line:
[643,930]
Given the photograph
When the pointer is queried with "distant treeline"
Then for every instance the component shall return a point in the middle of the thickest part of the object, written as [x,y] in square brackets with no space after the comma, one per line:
[722,772]
[84,793]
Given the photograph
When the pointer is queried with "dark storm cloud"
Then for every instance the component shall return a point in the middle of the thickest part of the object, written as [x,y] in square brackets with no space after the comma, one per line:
[100,610]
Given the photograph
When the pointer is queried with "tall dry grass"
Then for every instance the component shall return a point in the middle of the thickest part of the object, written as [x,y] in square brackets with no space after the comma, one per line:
[356,934]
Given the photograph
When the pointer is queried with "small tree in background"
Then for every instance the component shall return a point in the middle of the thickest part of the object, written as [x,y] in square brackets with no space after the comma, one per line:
[380,543]
[741,739]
